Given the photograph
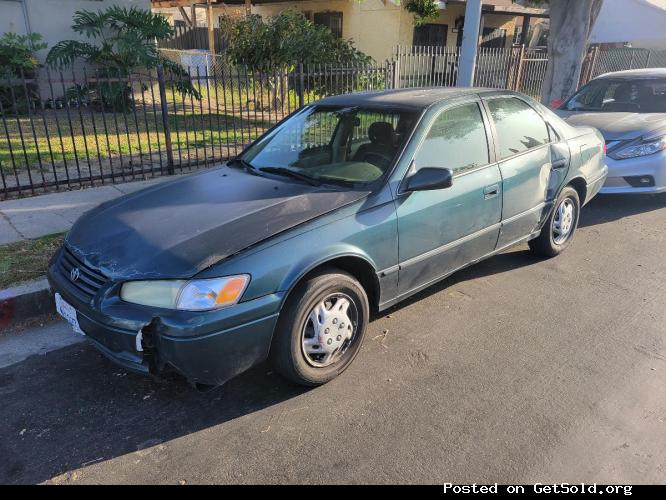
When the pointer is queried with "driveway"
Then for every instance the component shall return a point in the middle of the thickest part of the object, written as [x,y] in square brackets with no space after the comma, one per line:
[516,370]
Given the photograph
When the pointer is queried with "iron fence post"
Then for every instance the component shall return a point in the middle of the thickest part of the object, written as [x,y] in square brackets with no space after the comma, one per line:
[165,119]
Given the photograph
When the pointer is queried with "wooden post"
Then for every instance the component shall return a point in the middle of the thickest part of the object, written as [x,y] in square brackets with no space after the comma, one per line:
[396,73]
[248,7]
[519,71]
[525,30]
[301,86]
[211,28]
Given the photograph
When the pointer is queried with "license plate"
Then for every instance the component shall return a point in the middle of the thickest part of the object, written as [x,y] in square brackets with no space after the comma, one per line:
[68,312]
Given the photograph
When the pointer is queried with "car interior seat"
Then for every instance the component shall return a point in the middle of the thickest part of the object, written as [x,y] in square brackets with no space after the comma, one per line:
[381,148]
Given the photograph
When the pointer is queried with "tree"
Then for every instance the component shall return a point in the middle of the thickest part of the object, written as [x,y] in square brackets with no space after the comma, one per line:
[424,11]
[18,62]
[277,45]
[571,22]
[122,41]
[17,54]
[285,40]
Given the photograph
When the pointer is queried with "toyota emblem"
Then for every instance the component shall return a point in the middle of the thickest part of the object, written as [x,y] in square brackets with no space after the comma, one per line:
[74,274]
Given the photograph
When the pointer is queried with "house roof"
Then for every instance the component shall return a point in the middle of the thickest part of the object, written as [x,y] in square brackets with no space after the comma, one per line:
[645,23]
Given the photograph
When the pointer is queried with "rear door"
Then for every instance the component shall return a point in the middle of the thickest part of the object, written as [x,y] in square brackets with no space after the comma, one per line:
[524,153]
[442,230]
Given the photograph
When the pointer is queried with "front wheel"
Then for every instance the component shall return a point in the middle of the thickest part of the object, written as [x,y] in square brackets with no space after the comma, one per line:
[559,229]
[321,328]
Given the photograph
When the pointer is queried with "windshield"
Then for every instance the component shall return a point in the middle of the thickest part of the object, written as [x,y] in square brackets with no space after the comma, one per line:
[353,145]
[607,94]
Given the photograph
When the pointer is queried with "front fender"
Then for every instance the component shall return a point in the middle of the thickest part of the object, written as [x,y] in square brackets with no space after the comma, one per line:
[311,261]
[370,235]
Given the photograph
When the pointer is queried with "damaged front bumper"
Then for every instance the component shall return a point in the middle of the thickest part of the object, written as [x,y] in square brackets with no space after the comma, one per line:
[208,348]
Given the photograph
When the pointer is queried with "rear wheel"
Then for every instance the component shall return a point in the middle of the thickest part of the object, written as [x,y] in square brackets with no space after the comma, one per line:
[558,231]
[321,328]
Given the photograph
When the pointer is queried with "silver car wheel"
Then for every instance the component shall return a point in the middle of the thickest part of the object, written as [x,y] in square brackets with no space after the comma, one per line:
[564,220]
[329,330]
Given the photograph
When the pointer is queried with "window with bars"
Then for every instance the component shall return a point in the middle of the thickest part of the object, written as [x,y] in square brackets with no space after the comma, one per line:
[332,20]
[493,37]
[430,35]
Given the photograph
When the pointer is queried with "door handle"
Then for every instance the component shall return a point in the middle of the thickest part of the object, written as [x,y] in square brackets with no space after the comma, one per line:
[559,164]
[490,191]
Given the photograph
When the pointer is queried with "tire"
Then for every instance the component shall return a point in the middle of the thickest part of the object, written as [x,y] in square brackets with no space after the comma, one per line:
[296,331]
[549,243]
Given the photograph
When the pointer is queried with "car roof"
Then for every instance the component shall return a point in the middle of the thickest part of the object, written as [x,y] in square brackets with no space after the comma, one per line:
[413,98]
[636,73]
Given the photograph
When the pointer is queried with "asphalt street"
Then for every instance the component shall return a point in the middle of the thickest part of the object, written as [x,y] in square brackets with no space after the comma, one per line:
[516,370]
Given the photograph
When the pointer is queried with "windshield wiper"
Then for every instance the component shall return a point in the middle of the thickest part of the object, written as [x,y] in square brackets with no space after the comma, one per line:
[241,162]
[291,173]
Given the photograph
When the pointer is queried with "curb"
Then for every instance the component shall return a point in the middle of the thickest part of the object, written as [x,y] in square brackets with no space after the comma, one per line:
[25,302]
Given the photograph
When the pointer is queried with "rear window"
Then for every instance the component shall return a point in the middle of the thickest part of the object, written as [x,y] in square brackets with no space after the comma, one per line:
[519,128]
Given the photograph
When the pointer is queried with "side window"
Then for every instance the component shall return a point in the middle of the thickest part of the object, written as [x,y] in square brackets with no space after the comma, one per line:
[456,140]
[518,126]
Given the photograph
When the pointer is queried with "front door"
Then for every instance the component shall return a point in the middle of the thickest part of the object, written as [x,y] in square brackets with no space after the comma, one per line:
[442,230]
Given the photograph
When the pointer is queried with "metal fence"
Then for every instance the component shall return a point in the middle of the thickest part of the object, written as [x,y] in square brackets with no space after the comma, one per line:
[516,68]
[606,61]
[61,130]
[82,128]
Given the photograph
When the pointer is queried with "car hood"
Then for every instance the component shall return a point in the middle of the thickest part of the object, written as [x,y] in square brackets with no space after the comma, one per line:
[618,126]
[179,228]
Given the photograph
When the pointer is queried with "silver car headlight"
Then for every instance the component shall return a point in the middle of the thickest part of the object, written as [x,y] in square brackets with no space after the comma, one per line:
[193,295]
[648,147]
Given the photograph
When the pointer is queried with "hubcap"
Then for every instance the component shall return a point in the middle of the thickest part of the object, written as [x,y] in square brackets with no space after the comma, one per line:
[329,330]
[563,221]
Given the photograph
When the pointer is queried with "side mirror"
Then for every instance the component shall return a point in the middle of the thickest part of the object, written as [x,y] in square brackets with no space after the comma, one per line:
[430,178]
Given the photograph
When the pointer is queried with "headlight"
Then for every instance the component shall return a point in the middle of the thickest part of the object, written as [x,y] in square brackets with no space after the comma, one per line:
[194,295]
[648,147]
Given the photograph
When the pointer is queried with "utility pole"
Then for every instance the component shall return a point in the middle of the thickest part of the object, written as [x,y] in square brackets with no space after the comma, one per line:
[470,43]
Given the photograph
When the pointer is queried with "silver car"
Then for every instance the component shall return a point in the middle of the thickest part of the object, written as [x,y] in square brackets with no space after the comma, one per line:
[629,109]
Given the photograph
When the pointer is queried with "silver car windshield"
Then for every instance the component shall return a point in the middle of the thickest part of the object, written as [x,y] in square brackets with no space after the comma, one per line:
[353,145]
[644,95]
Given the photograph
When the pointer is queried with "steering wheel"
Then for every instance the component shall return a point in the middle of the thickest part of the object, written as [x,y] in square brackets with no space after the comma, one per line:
[380,160]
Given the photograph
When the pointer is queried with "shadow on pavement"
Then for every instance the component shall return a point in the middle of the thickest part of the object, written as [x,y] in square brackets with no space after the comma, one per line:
[73,407]
[612,207]
[501,263]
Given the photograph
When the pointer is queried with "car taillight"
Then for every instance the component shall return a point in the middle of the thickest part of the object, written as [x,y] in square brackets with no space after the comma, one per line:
[604,148]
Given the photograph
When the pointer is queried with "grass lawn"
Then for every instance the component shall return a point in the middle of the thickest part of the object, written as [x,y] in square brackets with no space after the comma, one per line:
[61,138]
[26,260]
[220,121]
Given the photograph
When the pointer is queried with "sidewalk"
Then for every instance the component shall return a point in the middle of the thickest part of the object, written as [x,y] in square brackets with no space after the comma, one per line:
[29,218]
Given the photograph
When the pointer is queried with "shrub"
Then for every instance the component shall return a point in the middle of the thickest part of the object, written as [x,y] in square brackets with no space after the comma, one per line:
[17,62]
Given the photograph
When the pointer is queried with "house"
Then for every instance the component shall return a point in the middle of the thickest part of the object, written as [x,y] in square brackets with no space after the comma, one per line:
[378,26]
[52,19]
[644,28]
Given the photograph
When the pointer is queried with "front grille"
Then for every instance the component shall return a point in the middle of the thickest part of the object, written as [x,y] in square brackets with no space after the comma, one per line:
[88,282]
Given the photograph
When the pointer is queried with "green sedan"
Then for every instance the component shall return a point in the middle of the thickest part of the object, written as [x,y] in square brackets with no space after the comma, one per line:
[349,205]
